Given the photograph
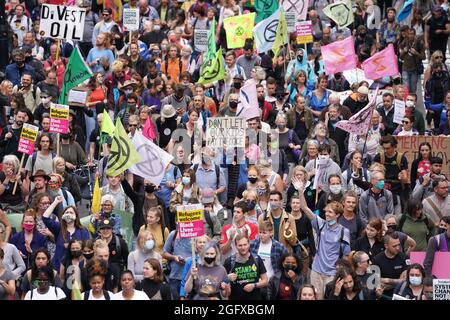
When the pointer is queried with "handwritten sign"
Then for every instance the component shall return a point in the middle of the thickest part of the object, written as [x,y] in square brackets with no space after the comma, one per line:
[28,138]
[290,21]
[441,289]
[319,178]
[131,19]
[62,22]
[399,111]
[304,32]
[190,221]
[201,40]
[440,147]
[59,118]
[225,131]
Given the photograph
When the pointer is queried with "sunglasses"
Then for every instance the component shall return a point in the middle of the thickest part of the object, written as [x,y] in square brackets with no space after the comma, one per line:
[105,14]
[132,125]
[406,122]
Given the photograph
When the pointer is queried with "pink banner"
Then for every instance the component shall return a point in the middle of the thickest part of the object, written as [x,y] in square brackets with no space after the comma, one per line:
[339,56]
[59,126]
[381,64]
[190,229]
[26,146]
[441,263]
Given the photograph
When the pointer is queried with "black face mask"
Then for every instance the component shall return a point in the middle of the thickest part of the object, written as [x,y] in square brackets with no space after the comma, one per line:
[441,230]
[392,228]
[149,188]
[65,136]
[233,104]
[209,260]
[300,58]
[288,267]
[253,180]
[280,98]
[261,99]
[237,85]
[20,64]
[88,255]
[76,254]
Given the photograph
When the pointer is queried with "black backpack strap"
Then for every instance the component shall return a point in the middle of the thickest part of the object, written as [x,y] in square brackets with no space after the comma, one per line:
[172,244]
[66,196]
[195,167]
[217,176]
[401,222]
[175,172]
[106,295]
[341,240]
[33,161]
[118,245]
[209,222]
[86,295]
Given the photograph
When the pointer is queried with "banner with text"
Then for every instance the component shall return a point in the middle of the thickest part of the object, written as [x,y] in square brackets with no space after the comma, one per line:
[59,118]
[190,221]
[225,131]
[28,138]
[441,289]
[62,22]
[440,147]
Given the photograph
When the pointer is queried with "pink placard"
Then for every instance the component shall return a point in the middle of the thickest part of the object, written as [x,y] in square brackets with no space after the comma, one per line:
[191,229]
[59,126]
[304,28]
[26,146]
[441,263]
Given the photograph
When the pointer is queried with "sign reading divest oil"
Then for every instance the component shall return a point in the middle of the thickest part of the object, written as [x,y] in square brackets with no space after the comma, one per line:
[59,118]
[440,147]
[62,22]
[304,32]
[27,139]
[190,221]
[227,131]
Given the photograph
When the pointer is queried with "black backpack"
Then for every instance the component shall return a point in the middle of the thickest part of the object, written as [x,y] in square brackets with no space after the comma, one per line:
[105,294]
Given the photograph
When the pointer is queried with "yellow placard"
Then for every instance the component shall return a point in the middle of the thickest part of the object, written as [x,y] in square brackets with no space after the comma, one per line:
[29,134]
[189,213]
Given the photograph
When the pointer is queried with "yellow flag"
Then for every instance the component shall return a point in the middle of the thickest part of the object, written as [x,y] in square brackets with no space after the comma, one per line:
[107,124]
[213,70]
[123,153]
[281,36]
[238,29]
[96,197]
[76,293]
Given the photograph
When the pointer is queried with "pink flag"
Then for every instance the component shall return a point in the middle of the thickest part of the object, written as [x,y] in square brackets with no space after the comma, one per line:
[149,129]
[381,64]
[359,123]
[339,56]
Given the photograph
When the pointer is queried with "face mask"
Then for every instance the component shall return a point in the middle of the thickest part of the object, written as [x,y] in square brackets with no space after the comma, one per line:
[362,35]
[300,58]
[409,104]
[251,205]
[252,179]
[289,266]
[336,189]
[156,27]
[441,230]
[237,85]
[69,217]
[274,206]
[380,185]
[331,222]
[45,100]
[209,260]
[233,104]
[281,126]
[88,255]
[149,188]
[28,227]
[280,98]
[20,64]
[186,180]
[164,47]
[261,192]
[128,91]
[76,253]
[392,228]
[415,281]
[323,156]
[149,244]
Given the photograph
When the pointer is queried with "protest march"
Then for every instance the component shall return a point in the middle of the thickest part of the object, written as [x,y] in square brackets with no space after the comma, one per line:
[241,150]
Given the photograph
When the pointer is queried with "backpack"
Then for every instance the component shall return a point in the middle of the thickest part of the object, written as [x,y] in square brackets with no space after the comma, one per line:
[209,221]
[398,159]
[217,169]
[341,240]
[34,157]
[105,294]
[403,219]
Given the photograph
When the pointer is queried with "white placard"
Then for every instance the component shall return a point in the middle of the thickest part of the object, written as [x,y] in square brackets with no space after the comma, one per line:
[131,19]
[356,75]
[399,112]
[201,40]
[62,22]
[290,21]
[77,96]
[441,289]
[227,131]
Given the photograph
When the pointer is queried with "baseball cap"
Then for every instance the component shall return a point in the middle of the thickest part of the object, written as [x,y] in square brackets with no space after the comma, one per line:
[106,223]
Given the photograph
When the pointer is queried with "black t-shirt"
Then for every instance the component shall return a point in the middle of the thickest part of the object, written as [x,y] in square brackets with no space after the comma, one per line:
[390,268]
[392,171]
[248,272]
[437,25]
[362,244]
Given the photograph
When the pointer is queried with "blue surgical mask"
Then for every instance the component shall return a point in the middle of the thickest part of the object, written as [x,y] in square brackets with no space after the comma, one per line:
[415,281]
[380,185]
[251,205]
[331,222]
[186,180]
[149,244]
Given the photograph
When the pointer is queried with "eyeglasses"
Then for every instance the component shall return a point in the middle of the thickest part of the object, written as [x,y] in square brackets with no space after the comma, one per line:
[132,125]
[406,122]
[439,57]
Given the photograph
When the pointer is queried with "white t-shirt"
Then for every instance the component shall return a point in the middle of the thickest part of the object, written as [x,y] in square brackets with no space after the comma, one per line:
[138,295]
[50,295]
[91,296]
[264,253]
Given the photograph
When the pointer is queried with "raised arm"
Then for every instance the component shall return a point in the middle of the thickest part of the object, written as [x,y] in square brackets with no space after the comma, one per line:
[48,212]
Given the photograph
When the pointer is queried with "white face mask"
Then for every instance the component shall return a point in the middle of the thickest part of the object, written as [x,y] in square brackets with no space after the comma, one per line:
[409,103]
[335,189]
[324,156]
[69,217]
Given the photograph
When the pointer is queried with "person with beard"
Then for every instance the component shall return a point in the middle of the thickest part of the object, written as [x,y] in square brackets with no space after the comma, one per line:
[59,66]
[232,69]
[9,140]
[264,106]
[112,82]
[300,118]
[104,26]
[136,61]
[199,105]
[173,66]
[249,59]
[153,73]
[99,51]
[30,92]
[37,51]
[388,31]
[332,117]
[20,23]
[49,85]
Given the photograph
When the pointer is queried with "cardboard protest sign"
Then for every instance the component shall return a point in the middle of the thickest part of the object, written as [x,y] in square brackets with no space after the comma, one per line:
[131,19]
[59,118]
[62,22]
[440,263]
[225,131]
[190,221]
[441,289]
[440,147]
[28,138]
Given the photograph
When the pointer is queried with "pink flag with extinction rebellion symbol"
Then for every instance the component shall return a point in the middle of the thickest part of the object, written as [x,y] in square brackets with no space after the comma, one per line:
[339,56]
[381,64]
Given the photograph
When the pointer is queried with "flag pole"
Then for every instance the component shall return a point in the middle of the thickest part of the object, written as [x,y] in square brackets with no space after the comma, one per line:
[58,144]
[20,167]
